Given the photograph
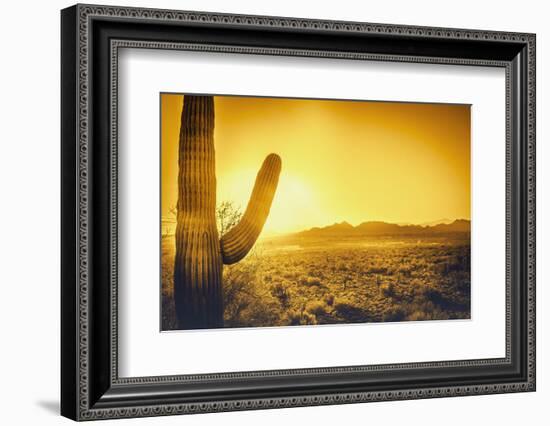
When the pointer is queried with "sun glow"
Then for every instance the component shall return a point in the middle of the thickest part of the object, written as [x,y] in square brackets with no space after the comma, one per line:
[341,160]
[306,206]
[294,200]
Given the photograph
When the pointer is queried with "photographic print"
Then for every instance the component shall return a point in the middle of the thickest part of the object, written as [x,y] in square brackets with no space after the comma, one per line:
[287,212]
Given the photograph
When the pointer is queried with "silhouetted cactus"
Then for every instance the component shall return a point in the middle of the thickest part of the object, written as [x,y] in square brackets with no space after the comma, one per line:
[200,254]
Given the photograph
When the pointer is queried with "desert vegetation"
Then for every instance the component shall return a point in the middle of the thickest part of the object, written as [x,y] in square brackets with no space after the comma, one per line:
[299,280]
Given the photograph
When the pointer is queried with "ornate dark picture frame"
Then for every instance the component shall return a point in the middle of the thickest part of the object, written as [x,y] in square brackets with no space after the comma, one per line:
[90,385]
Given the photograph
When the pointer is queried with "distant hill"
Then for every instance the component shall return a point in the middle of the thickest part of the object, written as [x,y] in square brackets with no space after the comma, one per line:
[437,222]
[335,229]
[459,225]
[376,228]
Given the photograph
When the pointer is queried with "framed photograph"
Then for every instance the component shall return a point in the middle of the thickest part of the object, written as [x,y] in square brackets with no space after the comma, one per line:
[263,212]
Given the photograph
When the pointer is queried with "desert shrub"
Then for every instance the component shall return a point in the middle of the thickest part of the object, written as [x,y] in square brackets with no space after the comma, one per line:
[437,297]
[416,284]
[281,292]
[342,266]
[420,288]
[395,313]
[293,317]
[265,313]
[168,313]
[405,269]
[329,299]
[439,268]
[449,265]
[432,294]
[455,267]
[418,315]
[315,272]
[426,290]
[377,270]
[425,310]
[227,216]
[308,319]
[316,308]
[238,293]
[310,281]
[343,305]
[289,275]
[300,317]
[387,289]
[349,311]
[247,300]
[167,291]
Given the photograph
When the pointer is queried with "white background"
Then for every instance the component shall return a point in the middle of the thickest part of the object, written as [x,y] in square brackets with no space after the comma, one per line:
[29,225]
[140,343]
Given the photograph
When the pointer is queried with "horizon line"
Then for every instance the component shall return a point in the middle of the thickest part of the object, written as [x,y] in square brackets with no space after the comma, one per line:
[403,224]
[423,224]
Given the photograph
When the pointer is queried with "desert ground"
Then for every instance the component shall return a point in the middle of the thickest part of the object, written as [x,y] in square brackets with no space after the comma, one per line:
[297,280]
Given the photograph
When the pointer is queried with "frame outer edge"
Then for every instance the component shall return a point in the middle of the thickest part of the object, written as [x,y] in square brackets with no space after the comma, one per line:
[531,200]
[69,288]
[83,13]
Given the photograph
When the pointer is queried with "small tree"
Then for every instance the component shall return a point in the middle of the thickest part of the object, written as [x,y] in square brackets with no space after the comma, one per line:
[227,215]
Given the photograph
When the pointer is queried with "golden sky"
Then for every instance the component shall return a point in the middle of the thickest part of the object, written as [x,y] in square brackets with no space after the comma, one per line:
[342,160]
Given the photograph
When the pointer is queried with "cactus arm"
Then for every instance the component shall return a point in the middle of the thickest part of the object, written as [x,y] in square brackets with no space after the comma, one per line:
[238,241]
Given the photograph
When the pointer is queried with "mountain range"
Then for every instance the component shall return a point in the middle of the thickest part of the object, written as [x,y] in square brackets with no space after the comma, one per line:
[377,228]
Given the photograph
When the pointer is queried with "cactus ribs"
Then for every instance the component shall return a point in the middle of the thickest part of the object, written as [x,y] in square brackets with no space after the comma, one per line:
[200,254]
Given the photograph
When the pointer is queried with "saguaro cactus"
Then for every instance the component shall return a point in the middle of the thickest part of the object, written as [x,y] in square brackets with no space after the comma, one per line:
[200,254]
